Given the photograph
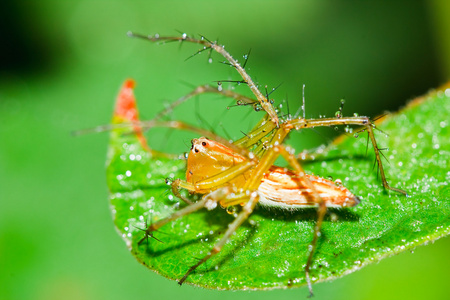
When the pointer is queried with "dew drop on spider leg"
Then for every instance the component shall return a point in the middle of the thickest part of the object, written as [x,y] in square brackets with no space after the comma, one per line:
[219,86]
[231,210]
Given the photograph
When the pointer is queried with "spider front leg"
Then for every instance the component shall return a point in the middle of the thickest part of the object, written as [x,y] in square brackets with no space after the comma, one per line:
[263,101]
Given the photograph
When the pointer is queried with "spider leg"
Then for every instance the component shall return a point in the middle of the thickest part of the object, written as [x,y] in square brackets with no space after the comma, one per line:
[209,201]
[263,101]
[247,209]
[176,191]
[321,211]
[361,121]
[203,89]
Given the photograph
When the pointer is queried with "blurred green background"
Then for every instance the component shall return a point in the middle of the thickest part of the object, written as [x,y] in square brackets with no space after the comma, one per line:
[62,63]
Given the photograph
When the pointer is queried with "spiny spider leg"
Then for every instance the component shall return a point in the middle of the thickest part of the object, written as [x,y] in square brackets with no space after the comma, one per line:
[146,125]
[247,209]
[321,211]
[209,200]
[202,89]
[264,102]
[361,121]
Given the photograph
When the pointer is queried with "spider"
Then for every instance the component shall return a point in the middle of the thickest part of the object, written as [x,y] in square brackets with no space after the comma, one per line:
[243,172]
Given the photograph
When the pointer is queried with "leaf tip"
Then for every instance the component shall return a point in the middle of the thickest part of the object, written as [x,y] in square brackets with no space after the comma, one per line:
[126,109]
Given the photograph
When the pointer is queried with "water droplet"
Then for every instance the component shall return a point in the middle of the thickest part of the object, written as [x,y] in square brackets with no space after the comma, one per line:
[447,92]
[231,210]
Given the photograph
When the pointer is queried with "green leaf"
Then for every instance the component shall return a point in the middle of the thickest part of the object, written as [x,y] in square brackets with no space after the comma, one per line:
[270,250]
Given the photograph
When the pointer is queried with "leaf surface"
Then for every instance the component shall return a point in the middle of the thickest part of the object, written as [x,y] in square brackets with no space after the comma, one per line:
[270,250]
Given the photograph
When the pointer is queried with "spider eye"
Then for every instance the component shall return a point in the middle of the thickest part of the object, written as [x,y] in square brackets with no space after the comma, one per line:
[196,150]
[204,144]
